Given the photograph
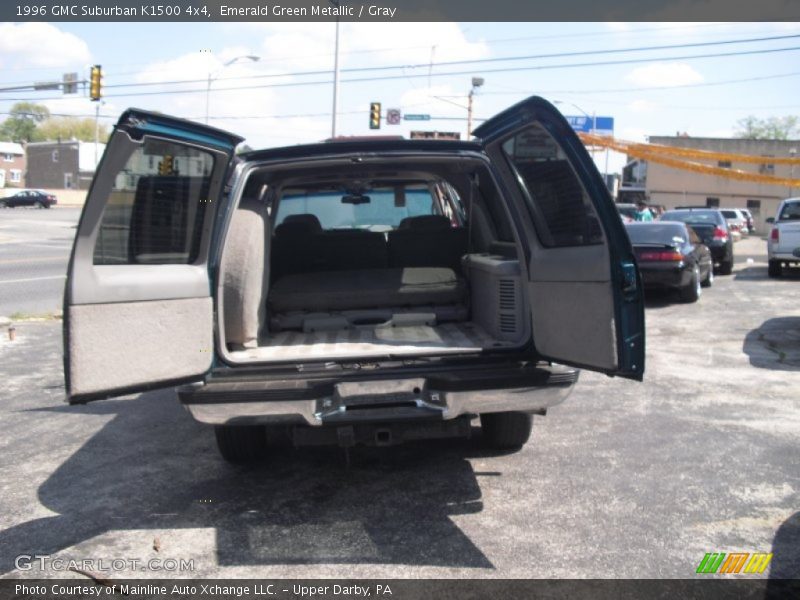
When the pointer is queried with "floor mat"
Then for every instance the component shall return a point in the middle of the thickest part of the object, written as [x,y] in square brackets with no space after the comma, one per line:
[448,338]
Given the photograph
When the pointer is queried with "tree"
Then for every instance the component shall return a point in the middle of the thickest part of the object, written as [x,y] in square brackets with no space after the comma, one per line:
[68,128]
[22,120]
[773,128]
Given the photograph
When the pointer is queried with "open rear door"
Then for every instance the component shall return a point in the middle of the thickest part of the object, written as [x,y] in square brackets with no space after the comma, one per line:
[138,311]
[584,288]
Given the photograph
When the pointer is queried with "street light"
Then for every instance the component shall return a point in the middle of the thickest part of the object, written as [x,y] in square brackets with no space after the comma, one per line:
[476,83]
[215,75]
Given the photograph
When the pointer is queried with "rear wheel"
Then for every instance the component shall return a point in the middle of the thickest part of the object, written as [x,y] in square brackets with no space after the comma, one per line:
[709,278]
[3,204]
[774,268]
[726,267]
[691,293]
[39,204]
[241,444]
[506,430]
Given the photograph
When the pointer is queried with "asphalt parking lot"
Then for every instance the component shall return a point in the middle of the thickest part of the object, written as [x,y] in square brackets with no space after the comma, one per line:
[625,479]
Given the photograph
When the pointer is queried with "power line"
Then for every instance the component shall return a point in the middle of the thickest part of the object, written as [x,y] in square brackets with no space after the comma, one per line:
[444,74]
[471,61]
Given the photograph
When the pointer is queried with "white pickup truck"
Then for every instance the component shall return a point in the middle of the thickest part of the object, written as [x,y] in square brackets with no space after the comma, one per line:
[783,245]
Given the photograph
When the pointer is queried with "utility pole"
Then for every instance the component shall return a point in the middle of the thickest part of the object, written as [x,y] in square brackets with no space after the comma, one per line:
[335,3]
[476,83]
[96,134]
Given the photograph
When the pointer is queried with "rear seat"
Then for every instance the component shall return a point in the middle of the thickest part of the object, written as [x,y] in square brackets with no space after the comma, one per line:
[316,270]
[367,288]
[427,241]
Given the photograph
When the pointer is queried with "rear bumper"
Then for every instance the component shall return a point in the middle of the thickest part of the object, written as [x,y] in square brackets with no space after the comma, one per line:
[438,396]
[665,276]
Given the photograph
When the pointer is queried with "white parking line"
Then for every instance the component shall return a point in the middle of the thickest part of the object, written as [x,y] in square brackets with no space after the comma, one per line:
[32,279]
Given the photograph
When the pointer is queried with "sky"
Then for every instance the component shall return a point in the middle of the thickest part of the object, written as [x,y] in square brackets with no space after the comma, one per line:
[285,96]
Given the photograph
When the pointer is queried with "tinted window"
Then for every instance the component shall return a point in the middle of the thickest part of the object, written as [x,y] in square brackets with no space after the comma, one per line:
[154,214]
[379,209]
[699,217]
[659,233]
[561,209]
[790,212]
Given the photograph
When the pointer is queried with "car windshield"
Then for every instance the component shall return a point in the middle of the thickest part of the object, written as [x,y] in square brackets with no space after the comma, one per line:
[377,209]
[790,212]
[730,214]
[693,217]
[657,233]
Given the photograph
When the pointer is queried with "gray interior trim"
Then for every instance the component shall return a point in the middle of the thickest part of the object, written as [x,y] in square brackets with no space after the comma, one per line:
[122,345]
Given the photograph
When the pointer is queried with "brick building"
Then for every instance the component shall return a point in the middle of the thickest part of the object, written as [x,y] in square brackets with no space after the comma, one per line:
[62,165]
[12,165]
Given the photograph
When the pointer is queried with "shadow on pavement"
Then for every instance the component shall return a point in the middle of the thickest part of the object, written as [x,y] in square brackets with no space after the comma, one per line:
[785,563]
[152,467]
[775,344]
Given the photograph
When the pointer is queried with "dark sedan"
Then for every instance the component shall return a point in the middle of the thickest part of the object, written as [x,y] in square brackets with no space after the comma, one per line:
[671,255]
[712,228]
[37,198]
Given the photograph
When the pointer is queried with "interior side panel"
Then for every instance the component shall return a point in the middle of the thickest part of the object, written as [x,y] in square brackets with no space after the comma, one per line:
[114,346]
[571,329]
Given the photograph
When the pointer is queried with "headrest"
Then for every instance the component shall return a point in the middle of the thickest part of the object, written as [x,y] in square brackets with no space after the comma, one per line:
[425,223]
[304,223]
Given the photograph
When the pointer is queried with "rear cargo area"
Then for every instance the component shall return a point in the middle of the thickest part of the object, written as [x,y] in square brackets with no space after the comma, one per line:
[397,286]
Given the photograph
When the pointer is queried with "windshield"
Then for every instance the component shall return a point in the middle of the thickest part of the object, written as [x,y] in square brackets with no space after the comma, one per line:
[730,214]
[377,209]
[668,234]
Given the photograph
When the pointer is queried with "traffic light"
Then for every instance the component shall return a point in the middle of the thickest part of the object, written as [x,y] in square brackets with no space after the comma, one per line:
[375,115]
[165,167]
[95,83]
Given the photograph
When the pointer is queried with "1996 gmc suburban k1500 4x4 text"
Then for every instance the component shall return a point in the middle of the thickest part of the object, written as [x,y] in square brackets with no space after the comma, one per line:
[365,291]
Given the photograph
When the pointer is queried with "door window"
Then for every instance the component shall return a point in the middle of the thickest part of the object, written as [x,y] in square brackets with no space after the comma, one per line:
[156,207]
[561,209]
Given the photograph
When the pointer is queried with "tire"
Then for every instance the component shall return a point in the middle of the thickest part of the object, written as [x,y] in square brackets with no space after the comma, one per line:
[774,268]
[709,278]
[39,204]
[691,293]
[3,204]
[726,267]
[506,430]
[241,444]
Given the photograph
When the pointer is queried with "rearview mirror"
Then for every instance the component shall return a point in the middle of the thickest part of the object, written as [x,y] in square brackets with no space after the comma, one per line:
[356,199]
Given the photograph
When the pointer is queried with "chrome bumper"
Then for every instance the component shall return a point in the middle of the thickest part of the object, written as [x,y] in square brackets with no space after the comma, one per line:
[374,401]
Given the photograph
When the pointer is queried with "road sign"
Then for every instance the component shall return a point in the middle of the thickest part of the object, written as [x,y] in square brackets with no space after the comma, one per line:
[416,117]
[393,116]
[587,124]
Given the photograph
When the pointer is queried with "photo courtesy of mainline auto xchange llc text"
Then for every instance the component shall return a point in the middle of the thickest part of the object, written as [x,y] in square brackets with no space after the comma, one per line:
[358,299]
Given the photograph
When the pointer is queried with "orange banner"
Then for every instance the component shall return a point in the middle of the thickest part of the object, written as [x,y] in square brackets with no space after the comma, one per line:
[654,153]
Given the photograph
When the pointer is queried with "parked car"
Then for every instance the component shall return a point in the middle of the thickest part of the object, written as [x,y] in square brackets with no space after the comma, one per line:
[712,228]
[363,291]
[783,245]
[37,198]
[737,222]
[751,224]
[671,255]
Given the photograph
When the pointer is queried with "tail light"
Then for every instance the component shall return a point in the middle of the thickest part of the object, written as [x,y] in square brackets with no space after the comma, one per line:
[669,256]
[720,233]
[775,235]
